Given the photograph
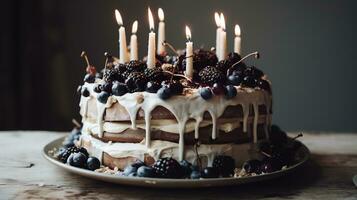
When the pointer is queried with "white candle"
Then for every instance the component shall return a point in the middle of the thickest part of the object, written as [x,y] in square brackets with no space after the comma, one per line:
[151,47]
[223,40]
[218,31]
[189,54]
[237,40]
[161,33]
[134,42]
[123,51]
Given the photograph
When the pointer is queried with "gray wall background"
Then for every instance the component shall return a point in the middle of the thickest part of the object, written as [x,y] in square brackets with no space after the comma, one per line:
[308,49]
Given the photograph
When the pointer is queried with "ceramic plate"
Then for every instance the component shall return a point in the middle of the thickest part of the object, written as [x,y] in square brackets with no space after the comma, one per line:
[168,183]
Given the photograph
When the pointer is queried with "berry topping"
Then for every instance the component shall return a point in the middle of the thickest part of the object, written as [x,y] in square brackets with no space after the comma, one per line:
[233,57]
[205,93]
[223,65]
[210,172]
[224,164]
[252,166]
[164,92]
[78,160]
[167,168]
[107,87]
[97,88]
[230,91]
[210,75]
[93,163]
[249,81]
[155,74]
[235,79]
[103,97]
[145,171]
[138,164]
[136,66]
[218,89]
[253,72]
[136,82]
[119,89]
[176,87]
[277,136]
[130,169]
[64,154]
[152,87]
[85,92]
[89,78]
[186,168]
[264,84]
[111,74]
[195,175]
[271,165]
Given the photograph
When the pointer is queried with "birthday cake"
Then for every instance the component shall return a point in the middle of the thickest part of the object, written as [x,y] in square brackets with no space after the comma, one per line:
[203,108]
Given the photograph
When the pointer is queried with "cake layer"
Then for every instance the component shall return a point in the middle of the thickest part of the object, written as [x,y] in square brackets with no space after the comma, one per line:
[121,154]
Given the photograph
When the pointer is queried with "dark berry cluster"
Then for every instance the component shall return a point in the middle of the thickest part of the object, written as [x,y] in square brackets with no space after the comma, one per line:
[76,156]
[279,151]
[213,77]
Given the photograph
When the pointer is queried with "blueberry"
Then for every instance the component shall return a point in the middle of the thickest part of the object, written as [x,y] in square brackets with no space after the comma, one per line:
[152,87]
[130,169]
[107,87]
[235,79]
[249,81]
[252,166]
[119,89]
[205,93]
[89,78]
[195,175]
[164,92]
[103,97]
[79,160]
[210,172]
[186,167]
[224,164]
[85,92]
[218,89]
[84,151]
[70,160]
[138,164]
[93,163]
[230,91]
[145,171]
[97,88]
[133,174]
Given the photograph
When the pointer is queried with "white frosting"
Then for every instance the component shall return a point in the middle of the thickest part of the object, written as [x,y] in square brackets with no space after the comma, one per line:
[185,108]
[161,148]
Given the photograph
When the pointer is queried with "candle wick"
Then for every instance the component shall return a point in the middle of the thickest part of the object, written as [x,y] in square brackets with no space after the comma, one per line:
[151,30]
[255,54]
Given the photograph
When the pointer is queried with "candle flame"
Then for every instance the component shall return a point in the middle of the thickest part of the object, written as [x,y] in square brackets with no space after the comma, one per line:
[151,20]
[217,19]
[188,33]
[161,14]
[118,17]
[134,28]
[223,22]
[237,30]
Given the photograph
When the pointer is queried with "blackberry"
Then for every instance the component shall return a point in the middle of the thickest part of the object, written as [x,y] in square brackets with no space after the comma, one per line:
[210,75]
[253,72]
[155,74]
[233,57]
[135,66]
[111,75]
[224,65]
[167,168]
[224,164]
[63,156]
[136,82]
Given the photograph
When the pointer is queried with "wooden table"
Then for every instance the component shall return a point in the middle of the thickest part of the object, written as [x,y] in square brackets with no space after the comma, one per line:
[25,174]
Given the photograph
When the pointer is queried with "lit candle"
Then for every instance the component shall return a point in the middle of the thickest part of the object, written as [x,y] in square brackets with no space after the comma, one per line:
[237,40]
[134,42]
[151,48]
[123,51]
[223,40]
[161,33]
[218,31]
[189,54]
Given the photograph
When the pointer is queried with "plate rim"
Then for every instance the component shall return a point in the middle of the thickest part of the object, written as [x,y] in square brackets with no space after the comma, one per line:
[166,182]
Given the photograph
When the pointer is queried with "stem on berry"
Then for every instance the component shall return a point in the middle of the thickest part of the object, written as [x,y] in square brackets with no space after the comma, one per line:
[84,55]
[265,154]
[178,75]
[255,54]
[107,55]
[199,162]
[76,123]
[296,137]
[165,43]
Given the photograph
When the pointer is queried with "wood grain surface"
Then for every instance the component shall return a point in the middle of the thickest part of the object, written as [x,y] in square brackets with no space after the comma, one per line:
[25,174]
